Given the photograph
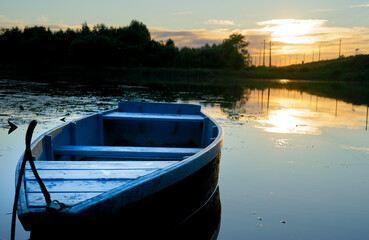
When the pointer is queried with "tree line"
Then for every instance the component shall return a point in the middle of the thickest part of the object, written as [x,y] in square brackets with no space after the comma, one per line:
[102,46]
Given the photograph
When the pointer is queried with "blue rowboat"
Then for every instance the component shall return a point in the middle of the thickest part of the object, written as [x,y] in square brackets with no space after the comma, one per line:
[113,161]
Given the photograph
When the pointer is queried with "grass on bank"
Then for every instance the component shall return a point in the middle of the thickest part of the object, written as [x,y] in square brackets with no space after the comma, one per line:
[348,69]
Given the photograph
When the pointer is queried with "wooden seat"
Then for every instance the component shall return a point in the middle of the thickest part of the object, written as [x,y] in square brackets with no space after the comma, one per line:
[71,182]
[154,117]
[118,151]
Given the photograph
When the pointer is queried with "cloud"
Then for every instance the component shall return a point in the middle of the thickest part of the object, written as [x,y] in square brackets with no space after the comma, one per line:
[360,5]
[295,39]
[8,23]
[293,31]
[220,22]
[192,37]
[305,32]
[43,19]
[57,27]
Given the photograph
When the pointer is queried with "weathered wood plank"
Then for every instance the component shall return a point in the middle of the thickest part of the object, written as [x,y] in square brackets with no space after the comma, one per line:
[32,186]
[126,151]
[69,199]
[149,165]
[154,117]
[61,174]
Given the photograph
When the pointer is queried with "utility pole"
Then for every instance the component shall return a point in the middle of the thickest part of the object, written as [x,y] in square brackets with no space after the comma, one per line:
[264,55]
[313,55]
[339,50]
[260,58]
[319,53]
[270,54]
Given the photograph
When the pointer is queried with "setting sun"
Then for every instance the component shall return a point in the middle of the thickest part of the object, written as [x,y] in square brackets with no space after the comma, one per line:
[292,30]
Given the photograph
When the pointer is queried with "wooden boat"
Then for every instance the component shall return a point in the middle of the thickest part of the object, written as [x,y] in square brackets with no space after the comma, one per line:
[120,160]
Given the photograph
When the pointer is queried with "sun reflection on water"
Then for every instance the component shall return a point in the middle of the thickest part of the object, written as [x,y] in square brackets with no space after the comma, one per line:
[284,81]
[296,112]
[289,121]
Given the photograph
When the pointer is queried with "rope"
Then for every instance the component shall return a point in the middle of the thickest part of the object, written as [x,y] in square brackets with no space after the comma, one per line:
[27,156]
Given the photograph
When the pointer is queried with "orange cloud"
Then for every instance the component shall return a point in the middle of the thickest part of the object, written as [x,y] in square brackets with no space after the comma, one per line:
[192,37]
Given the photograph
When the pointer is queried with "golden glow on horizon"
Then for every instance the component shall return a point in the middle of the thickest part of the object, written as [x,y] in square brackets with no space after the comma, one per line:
[306,40]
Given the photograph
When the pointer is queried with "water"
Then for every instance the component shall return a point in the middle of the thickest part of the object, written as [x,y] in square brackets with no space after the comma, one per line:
[293,166]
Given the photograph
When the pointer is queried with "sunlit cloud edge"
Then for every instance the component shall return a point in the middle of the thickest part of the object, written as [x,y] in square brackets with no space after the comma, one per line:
[220,22]
[360,5]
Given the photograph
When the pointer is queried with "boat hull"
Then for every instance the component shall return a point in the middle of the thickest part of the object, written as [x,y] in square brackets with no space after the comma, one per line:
[168,213]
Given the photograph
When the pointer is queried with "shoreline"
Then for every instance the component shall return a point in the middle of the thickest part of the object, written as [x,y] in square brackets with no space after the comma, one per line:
[349,70]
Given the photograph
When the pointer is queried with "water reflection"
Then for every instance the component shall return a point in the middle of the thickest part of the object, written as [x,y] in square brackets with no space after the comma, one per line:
[289,153]
[290,121]
[293,111]
[284,81]
[202,224]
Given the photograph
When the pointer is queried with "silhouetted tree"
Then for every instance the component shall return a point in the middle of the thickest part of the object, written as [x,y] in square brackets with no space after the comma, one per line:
[9,45]
[85,29]
[129,46]
[235,52]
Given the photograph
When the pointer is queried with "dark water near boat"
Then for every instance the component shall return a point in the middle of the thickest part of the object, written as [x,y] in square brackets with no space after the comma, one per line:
[294,165]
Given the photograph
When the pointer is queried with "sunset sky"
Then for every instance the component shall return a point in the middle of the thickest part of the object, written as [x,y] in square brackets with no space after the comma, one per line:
[296,28]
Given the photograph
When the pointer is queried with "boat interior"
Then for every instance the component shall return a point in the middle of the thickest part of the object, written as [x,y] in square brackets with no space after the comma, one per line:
[87,157]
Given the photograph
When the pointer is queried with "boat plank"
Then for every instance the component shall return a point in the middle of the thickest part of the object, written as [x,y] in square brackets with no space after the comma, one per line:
[43,165]
[126,151]
[32,186]
[69,199]
[152,107]
[153,117]
[75,174]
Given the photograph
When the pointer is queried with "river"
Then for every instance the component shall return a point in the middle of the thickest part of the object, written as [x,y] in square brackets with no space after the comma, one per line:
[294,165]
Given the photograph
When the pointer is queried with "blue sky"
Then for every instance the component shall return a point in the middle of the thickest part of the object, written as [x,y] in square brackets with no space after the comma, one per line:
[306,25]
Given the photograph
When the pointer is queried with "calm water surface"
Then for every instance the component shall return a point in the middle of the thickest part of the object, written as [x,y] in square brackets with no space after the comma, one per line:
[293,166]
